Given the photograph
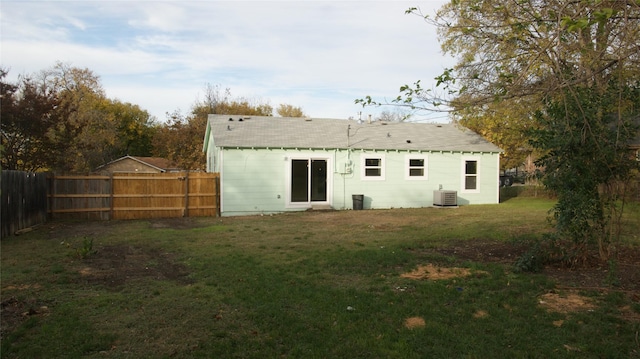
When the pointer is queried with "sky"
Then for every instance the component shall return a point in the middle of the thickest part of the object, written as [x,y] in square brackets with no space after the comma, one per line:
[160,55]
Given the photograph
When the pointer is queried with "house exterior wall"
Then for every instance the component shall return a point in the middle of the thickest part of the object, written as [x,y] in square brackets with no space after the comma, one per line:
[255,181]
[252,181]
[212,152]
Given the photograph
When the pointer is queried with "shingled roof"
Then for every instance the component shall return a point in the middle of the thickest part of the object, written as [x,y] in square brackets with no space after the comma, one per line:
[318,133]
[158,163]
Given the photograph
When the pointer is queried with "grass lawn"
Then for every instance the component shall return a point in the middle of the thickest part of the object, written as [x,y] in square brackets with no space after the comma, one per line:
[403,283]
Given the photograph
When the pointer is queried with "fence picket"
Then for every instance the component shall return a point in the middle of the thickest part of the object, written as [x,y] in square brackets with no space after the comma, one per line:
[24,200]
[135,195]
[27,198]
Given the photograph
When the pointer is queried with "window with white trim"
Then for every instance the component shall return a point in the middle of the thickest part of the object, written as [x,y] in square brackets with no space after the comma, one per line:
[471,170]
[416,167]
[372,167]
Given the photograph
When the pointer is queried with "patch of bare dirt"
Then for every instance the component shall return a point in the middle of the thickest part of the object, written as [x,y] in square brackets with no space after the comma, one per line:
[566,303]
[592,275]
[482,250]
[113,266]
[571,301]
[437,273]
[178,223]
[64,230]
[414,322]
[14,311]
[480,314]
[109,266]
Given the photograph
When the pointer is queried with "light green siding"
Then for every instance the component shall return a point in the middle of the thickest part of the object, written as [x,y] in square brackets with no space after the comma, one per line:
[255,181]
[252,181]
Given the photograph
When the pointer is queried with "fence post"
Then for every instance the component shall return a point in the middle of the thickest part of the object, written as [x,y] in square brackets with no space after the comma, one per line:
[186,194]
[110,195]
[217,191]
[52,194]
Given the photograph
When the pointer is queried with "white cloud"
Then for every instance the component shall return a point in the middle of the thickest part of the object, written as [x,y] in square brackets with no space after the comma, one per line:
[319,55]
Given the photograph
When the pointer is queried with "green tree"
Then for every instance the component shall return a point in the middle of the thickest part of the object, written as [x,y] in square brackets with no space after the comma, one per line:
[562,74]
[134,129]
[84,132]
[585,135]
[505,123]
[61,120]
[246,107]
[286,110]
[181,138]
[27,115]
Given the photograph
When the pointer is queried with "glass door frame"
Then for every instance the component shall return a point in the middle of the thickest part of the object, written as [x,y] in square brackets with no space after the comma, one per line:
[328,184]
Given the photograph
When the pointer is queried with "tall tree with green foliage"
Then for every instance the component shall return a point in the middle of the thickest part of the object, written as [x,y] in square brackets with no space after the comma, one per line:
[27,115]
[564,77]
[181,138]
[61,120]
[85,130]
[135,129]
[588,164]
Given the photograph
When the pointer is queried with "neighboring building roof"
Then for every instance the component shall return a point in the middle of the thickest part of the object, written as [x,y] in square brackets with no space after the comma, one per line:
[288,132]
[160,164]
[157,162]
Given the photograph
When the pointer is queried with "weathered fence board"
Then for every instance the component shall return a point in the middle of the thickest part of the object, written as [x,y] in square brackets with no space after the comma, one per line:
[24,200]
[80,196]
[135,195]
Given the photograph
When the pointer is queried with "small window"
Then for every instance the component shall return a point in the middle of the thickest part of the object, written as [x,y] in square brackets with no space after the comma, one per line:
[471,175]
[373,168]
[416,168]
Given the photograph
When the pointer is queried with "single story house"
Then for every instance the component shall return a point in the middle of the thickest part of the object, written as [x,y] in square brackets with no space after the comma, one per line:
[138,164]
[276,164]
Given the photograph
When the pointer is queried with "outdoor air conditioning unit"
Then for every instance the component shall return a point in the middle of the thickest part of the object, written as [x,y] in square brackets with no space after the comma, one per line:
[445,198]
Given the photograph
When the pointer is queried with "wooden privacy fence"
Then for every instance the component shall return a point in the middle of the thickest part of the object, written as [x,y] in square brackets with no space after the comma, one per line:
[134,195]
[24,200]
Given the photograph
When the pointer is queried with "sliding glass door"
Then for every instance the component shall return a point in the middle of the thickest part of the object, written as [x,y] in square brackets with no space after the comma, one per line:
[308,180]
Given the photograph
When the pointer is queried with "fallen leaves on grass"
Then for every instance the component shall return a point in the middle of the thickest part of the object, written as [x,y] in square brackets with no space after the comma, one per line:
[570,302]
[627,313]
[480,314]
[436,273]
[22,287]
[414,322]
[571,348]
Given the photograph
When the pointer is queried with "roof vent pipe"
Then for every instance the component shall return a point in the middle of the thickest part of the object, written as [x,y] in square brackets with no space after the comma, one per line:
[369,120]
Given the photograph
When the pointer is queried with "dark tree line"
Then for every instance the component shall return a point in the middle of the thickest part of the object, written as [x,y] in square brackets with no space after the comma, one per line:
[61,120]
